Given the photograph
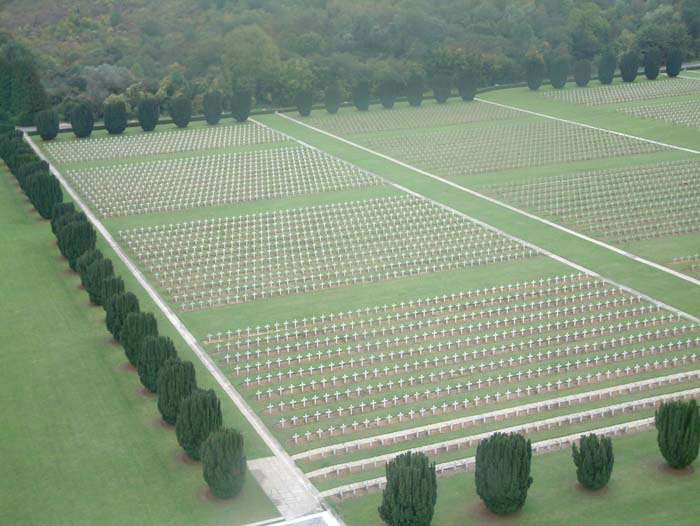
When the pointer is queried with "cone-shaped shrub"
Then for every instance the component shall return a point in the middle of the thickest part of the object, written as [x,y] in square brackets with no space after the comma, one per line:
[47,124]
[442,87]
[65,219]
[44,191]
[223,463]
[360,95]
[606,68]
[81,119]
[652,63]
[136,327]
[534,69]
[75,238]
[332,97]
[304,102]
[199,415]
[119,307]
[149,113]
[674,62]
[678,426]
[82,264]
[155,350]
[582,73]
[111,286]
[594,461]
[176,381]
[181,110]
[95,274]
[629,66]
[213,106]
[60,209]
[415,86]
[503,472]
[115,118]
[241,104]
[411,491]
[559,72]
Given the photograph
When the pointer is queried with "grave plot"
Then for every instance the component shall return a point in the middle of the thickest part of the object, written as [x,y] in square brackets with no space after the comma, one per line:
[230,260]
[178,184]
[689,264]
[571,348]
[686,113]
[468,151]
[627,92]
[349,121]
[622,205]
[160,142]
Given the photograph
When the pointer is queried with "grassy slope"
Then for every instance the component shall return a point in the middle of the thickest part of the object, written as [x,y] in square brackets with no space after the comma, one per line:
[555,499]
[80,445]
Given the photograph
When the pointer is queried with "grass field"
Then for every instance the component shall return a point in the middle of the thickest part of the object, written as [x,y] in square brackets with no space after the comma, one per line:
[80,444]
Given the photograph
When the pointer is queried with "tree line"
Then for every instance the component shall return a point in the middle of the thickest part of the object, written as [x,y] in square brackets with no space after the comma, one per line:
[195,412]
[503,462]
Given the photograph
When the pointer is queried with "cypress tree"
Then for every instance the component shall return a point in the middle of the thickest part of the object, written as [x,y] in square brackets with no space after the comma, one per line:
[503,472]
[241,104]
[58,210]
[559,72]
[678,426]
[606,68]
[304,102]
[115,117]
[594,461]
[652,63]
[199,415]
[47,124]
[149,113]
[629,66]
[82,264]
[582,72]
[332,97]
[75,238]
[136,327]
[181,110]
[44,191]
[411,491]
[415,86]
[28,168]
[360,95]
[674,62]
[155,350]
[388,91]
[223,463]
[64,220]
[442,87]
[111,286]
[467,83]
[95,274]
[176,381]
[213,106]
[535,73]
[119,307]
[82,120]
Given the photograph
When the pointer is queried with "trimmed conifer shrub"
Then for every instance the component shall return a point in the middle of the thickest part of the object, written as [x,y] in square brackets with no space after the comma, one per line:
[75,238]
[415,86]
[223,463]
[59,209]
[411,491]
[198,417]
[442,87]
[115,118]
[534,72]
[149,113]
[467,83]
[136,327]
[678,426]
[559,72]
[111,286]
[606,68]
[674,62]
[332,97]
[360,95]
[213,103]
[176,381]
[155,350]
[82,264]
[582,73]
[47,124]
[304,102]
[629,66]
[241,104]
[181,110]
[503,472]
[388,89]
[44,191]
[652,63]
[95,274]
[119,307]
[82,120]
[594,461]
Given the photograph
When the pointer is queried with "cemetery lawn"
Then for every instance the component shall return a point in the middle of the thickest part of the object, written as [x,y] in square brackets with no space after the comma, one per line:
[80,445]
[641,492]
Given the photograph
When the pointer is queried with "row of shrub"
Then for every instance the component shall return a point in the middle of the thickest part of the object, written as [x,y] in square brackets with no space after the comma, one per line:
[195,413]
[502,471]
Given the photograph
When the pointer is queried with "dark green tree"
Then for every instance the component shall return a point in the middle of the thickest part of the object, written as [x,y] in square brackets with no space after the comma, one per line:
[176,381]
[411,491]
[241,104]
[83,263]
[503,472]
[304,101]
[559,72]
[606,68]
[678,426]
[60,209]
[149,113]
[535,73]
[47,124]
[65,219]
[136,327]
[111,286]
[582,72]
[360,95]
[629,66]
[415,86]
[95,274]
[332,96]
[115,117]
[442,87]
[82,120]
[468,74]
[594,461]
[44,191]
[213,103]
[181,110]
[674,62]
[223,463]
[652,63]
[155,350]
[75,238]
[119,307]
[199,415]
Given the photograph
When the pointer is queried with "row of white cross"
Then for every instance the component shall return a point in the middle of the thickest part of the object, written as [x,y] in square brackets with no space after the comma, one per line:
[685,113]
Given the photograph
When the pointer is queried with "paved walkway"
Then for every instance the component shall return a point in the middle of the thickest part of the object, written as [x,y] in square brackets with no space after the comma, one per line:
[291,498]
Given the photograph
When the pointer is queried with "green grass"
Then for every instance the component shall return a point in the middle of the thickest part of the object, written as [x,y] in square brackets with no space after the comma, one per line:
[80,444]
[641,492]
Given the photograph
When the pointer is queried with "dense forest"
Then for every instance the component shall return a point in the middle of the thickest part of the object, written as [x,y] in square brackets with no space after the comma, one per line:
[93,49]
